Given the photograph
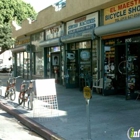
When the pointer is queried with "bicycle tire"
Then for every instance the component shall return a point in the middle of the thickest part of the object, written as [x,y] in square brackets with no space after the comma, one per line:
[30,100]
[6,93]
[20,98]
[30,105]
[12,94]
[122,67]
[25,98]
[23,103]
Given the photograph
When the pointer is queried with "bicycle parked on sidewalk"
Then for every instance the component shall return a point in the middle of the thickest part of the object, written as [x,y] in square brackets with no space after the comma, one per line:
[26,93]
[11,88]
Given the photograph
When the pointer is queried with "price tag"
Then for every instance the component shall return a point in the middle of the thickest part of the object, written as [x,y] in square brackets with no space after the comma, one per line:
[87,92]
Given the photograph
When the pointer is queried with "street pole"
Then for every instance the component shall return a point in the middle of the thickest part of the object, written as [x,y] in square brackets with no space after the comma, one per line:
[88,119]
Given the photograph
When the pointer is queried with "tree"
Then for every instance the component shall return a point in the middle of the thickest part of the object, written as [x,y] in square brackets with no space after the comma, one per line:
[12,10]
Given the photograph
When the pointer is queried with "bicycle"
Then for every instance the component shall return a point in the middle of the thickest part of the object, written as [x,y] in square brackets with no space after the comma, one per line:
[11,88]
[26,93]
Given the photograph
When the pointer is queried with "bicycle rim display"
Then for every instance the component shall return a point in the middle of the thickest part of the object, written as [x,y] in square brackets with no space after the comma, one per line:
[12,94]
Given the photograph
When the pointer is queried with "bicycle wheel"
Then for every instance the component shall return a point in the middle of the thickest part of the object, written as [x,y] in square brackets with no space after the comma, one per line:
[30,101]
[6,93]
[20,98]
[12,94]
[122,67]
[23,103]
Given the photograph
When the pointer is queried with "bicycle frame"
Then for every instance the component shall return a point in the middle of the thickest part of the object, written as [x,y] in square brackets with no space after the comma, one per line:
[24,91]
[11,88]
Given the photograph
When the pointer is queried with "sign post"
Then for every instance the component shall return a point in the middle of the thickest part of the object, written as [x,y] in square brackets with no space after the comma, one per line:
[88,96]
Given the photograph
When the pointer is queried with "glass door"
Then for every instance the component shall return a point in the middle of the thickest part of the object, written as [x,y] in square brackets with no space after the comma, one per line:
[71,72]
[110,69]
[85,58]
[133,70]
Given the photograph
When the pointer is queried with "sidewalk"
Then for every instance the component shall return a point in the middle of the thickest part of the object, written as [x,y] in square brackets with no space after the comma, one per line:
[110,116]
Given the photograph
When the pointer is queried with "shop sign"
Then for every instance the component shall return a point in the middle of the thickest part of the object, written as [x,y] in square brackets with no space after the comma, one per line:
[54,32]
[123,11]
[82,24]
[20,42]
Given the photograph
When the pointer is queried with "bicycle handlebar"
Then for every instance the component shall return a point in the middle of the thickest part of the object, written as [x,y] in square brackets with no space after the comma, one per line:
[29,81]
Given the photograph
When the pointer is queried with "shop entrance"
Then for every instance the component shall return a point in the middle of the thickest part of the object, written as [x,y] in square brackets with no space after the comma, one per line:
[55,66]
[121,70]
[85,70]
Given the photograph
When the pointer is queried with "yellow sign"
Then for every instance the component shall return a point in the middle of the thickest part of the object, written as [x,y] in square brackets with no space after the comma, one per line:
[22,42]
[126,10]
[87,92]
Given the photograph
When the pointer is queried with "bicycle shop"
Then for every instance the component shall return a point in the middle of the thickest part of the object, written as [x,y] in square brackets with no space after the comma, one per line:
[120,36]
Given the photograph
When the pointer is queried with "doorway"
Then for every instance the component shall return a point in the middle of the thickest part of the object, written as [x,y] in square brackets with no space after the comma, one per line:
[85,69]
[55,66]
[122,69]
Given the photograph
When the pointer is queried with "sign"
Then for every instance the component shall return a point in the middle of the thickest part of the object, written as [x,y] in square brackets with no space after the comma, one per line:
[82,24]
[123,11]
[87,92]
[24,41]
[54,32]
[45,87]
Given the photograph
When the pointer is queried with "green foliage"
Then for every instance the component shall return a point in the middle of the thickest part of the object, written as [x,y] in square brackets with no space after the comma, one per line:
[12,10]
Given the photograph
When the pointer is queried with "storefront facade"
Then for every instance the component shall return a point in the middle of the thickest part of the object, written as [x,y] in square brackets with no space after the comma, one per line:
[120,36]
[22,55]
[37,55]
[81,61]
[53,53]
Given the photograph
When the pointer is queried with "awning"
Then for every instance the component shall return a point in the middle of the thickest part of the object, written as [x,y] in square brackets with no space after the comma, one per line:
[51,42]
[77,36]
[23,48]
[18,49]
[118,27]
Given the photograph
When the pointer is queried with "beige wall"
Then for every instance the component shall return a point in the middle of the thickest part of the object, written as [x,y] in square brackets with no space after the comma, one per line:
[73,9]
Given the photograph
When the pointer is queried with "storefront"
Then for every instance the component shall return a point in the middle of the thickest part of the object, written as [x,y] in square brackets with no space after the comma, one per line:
[22,58]
[120,36]
[37,55]
[82,51]
[53,53]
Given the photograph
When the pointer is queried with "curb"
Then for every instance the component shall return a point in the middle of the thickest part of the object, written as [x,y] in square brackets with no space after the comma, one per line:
[31,124]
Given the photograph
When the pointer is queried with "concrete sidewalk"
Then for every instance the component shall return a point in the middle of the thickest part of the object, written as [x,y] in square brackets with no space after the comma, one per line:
[110,116]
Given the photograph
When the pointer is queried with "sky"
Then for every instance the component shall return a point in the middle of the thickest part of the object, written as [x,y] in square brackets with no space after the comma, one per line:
[40,5]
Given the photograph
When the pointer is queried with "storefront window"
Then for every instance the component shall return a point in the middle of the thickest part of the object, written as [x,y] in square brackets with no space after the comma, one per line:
[109,66]
[39,63]
[20,63]
[26,65]
[62,64]
[83,45]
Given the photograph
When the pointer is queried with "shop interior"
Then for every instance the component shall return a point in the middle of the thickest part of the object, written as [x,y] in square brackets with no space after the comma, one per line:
[121,68]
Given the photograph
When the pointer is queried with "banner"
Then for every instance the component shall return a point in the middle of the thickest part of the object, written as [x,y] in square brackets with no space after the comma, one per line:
[123,11]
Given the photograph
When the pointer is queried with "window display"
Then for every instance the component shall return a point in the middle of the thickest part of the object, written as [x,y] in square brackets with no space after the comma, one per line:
[109,66]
